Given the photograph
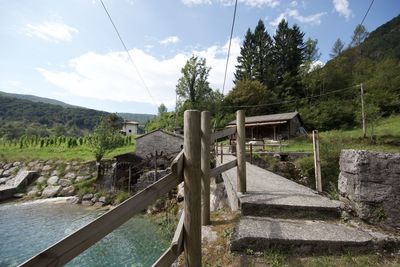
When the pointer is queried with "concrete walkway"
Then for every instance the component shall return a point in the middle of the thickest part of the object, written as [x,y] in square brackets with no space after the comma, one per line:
[277,212]
[269,194]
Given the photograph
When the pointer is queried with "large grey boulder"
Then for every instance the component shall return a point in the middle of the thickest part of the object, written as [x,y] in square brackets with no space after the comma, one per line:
[53,180]
[370,183]
[67,191]
[51,191]
[64,182]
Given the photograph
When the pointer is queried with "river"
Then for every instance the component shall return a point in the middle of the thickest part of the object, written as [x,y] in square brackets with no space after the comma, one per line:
[28,228]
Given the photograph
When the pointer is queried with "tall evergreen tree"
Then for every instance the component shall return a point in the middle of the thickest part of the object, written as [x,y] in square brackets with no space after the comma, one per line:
[288,57]
[337,48]
[262,54]
[245,68]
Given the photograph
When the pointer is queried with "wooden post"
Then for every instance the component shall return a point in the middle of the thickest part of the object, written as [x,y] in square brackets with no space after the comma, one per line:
[241,151]
[364,127]
[317,162]
[222,153]
[205,166]
[192,187]
[251,153]
[216,148]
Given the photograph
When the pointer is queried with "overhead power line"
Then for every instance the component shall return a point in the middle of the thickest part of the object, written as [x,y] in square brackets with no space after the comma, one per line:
[229,47]
[129,55]
[293,101]
[366,13]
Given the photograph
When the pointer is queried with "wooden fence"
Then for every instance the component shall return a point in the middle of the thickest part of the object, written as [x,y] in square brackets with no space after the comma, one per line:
[189,166]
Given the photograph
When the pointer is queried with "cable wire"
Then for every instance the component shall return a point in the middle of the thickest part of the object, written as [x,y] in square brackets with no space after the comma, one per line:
[229,47]
[366,13]
[292,101]
[127,51]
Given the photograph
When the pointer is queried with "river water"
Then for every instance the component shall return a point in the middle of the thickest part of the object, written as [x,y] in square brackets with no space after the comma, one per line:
[28,228]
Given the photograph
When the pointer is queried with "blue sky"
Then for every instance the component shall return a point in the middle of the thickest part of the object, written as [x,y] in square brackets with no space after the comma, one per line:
[68,50]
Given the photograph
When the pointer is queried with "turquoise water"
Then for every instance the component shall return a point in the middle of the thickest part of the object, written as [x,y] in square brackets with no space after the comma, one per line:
[28,228]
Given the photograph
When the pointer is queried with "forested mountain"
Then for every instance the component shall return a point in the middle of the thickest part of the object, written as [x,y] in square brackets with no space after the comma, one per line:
[37,99]
[32,115]
[19,117]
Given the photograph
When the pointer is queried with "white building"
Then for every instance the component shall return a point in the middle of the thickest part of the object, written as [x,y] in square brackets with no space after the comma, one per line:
[130,127]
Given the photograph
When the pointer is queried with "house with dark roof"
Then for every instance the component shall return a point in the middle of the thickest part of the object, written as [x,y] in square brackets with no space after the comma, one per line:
[273,126]
[157,142]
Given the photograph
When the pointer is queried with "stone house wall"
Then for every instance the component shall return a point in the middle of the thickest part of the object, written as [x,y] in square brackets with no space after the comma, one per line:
[370,183]
[160,141]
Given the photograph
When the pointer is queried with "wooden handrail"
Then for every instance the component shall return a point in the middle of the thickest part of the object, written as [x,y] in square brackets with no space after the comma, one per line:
[176,248]
[177,166]
[74,244]
[222,168]
[223,133]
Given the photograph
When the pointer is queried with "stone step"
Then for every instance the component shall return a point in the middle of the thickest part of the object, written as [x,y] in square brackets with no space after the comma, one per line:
[289,205]
[304,236]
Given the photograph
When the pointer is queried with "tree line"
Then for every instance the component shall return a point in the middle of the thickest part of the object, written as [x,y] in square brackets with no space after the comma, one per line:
[280,73]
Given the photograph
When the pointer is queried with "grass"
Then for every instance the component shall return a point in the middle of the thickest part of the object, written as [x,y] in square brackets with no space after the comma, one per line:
[386,138]
[82,153]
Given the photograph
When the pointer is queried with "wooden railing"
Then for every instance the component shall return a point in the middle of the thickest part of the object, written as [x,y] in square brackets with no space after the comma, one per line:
[189,166]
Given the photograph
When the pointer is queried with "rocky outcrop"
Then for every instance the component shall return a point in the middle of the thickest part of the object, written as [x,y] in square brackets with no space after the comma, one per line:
[370,183]
[51,191]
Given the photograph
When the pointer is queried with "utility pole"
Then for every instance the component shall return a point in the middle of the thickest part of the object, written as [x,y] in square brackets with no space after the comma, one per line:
[362,112]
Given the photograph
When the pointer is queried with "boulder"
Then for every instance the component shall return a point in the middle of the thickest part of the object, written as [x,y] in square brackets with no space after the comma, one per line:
[70,175]
[3,180]
[82,178]
[10,171]
[104,200]
[54,173]
[53,180]
[33,192]
[67,191]
[64,182]
[41,179]
[17,164]
[87,197]
[98,204]
[74,200]
[7,166]
[94,199]
[51,191]
[1,172]
[47,168]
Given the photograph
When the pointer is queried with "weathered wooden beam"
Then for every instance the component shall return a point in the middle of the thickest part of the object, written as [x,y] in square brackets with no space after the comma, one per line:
[241,151]
[317,162]
[223,133]
[222,168]
[177,240]
[177,166]
[74,244]
[192,187]
[166,259]
[205,166]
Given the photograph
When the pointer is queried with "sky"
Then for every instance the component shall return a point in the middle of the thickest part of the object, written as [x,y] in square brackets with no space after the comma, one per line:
[68,49]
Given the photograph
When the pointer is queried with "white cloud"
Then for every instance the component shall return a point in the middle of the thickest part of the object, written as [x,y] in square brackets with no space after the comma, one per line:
[196,2]
[293,3]
[314,19]
[342,7]
[51,31]
[170,40]
[278,19]
[111,76]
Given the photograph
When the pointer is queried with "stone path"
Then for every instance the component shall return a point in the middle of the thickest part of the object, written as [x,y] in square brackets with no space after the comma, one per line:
[277,212]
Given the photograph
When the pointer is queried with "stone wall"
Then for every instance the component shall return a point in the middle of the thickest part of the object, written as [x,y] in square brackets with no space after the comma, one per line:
[169,143]
[370,183]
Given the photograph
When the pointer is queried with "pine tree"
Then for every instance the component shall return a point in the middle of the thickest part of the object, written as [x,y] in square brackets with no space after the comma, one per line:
[245,68]
[262,54]
[359,35]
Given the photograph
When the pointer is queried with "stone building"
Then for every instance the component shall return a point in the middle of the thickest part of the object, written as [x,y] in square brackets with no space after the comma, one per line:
[157,142]
[273,126]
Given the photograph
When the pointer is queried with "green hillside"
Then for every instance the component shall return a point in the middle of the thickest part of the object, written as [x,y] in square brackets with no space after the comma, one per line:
[37,99]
